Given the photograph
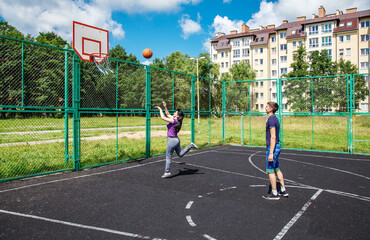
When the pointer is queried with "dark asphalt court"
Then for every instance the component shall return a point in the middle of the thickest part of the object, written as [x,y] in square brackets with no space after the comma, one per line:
[215,193]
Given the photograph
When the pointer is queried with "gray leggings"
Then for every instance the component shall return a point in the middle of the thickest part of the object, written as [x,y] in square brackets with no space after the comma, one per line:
[173,144]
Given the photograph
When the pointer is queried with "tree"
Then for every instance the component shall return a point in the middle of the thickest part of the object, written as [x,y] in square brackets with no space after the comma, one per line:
[323,88]
[346,68]
[297,90]
[237,93]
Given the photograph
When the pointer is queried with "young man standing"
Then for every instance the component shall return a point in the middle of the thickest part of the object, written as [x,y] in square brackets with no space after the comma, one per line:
[273,152]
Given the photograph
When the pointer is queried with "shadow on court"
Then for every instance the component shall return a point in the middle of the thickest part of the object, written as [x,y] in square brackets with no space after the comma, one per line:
[214,193]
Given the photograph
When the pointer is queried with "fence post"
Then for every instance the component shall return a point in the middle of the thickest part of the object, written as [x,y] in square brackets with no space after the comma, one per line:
[192,108]
[242,129]
[351,107]
[279,94]
[76,112]
[147,111]
[223,111]
[66,129]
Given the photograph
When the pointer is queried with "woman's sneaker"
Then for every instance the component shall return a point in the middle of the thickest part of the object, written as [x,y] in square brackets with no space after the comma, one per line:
[166,175]
[284,194]
[194,146]
[271,196]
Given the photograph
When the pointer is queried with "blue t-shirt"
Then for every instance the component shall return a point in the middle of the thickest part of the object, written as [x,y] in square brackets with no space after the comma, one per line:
[272,122]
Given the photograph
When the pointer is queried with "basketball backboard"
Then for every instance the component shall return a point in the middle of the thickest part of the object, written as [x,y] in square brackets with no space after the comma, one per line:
[89,40]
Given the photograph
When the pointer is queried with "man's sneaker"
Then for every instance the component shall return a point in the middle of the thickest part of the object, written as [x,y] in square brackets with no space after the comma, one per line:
[284,194]
[194,146]
[271,197]
[166,175]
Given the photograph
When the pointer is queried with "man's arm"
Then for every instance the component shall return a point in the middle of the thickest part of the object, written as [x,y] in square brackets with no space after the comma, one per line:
[272,144]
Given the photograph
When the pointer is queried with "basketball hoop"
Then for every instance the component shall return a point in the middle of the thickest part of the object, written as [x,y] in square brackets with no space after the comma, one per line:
[101,61]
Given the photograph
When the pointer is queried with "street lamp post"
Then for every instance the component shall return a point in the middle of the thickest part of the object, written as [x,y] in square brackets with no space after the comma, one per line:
[198,84]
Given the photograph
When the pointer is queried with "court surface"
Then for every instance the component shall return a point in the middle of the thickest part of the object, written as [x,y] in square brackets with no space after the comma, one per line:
[215,193]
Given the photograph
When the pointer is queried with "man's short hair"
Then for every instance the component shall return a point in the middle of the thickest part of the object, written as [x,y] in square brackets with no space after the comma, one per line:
[274,106]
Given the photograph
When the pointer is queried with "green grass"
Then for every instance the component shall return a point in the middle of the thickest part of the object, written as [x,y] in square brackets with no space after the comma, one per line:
[329,134]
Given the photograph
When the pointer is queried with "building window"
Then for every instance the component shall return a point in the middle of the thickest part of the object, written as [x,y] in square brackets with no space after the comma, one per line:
[314,42]
[283,46]
[329,53]
[300,43]
[283,35]
[365,65]
[245,52]
[294,44]
[293,32]
[261,106]
[283,70]
[236,62]
[348,52]
[256,51]
[365,51]
[261,95]
[226,64]
[214,56]
[261,50]
[341,38]
[341,25]
[256,95]
[222,65]
[245,41]
[257,106]
[273,50]
[365,24]
[283,59]
[236,43]
[349,24]
[365,37]
[273,95]
[326,41]
[261,74]
[222,54]
[273,39]
[261,61]
[341,52]
[261,84]
[273,61]
[273,83]
[348,38]
[313,30]
[226,54]
[325,28]
[255,62]
[262,38]
[256,84]
[274,73]
[236,53]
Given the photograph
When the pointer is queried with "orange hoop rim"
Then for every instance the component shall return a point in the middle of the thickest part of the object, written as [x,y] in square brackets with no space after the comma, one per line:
[99,57]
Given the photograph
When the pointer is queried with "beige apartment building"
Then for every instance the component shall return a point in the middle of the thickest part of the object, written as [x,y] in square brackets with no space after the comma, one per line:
[269,50]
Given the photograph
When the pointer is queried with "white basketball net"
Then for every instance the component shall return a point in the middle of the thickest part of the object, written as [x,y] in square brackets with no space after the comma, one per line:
[102,63]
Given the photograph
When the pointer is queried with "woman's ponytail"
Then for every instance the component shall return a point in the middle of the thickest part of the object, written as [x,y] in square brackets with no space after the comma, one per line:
[179,120]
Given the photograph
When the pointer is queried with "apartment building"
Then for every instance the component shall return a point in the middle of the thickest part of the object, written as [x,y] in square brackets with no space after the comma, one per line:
[270,49]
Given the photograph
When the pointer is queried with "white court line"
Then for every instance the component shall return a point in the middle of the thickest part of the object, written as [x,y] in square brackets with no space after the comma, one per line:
[127,234]
[307,155]
[94,174]
[355,196]
[286,228]
[188,206]
[335,169]
[209,237]
[190,221]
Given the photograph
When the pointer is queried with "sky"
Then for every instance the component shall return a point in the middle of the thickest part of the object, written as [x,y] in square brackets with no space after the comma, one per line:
[164,26]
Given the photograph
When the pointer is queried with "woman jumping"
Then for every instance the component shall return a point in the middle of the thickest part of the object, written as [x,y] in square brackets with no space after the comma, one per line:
[173,141]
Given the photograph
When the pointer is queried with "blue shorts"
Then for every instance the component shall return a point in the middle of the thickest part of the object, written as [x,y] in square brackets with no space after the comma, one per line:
[273,167]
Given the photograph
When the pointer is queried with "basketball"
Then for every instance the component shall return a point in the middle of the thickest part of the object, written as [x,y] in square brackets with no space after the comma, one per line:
[147,53]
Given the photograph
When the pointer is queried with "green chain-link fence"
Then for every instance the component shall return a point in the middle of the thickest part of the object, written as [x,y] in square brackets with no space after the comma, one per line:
[58,113]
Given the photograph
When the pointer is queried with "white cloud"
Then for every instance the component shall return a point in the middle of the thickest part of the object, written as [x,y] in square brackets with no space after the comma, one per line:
[276,12]
[225,25]
[57,16]
[226,1]
[141,6]
[146,62]
[189,26]
[206,45]
[34,16]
